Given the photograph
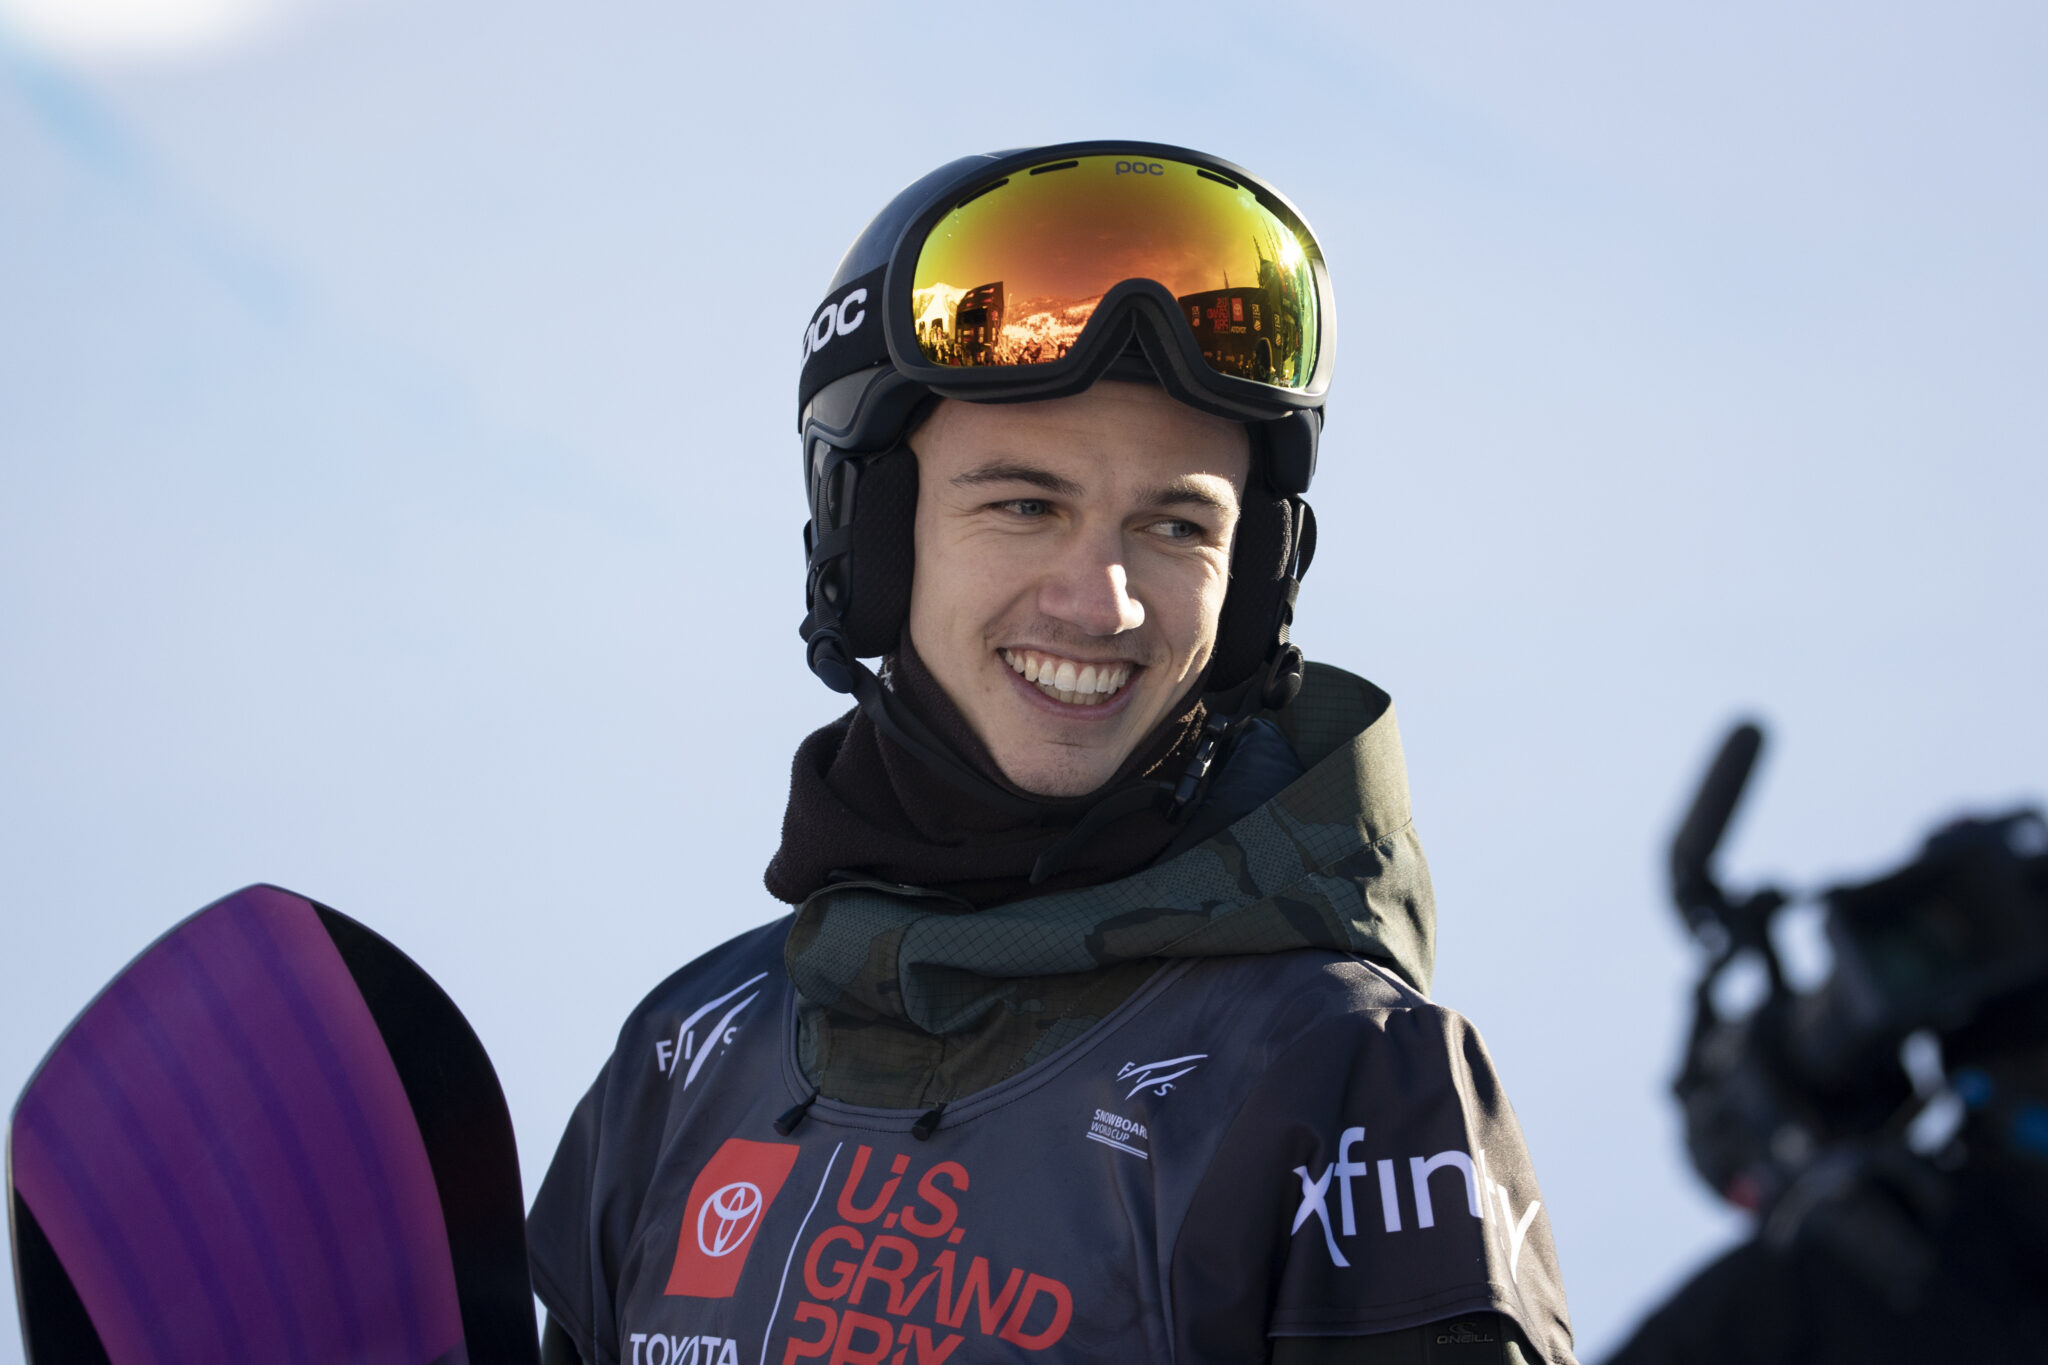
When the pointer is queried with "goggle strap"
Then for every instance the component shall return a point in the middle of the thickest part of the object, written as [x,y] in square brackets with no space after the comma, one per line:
[845,335]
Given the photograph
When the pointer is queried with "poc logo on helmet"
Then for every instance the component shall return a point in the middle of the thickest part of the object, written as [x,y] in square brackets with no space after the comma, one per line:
[1140,168]
[835,320]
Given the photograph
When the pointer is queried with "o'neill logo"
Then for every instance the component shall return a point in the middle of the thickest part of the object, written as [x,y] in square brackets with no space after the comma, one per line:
[1480,1190]
[728,1217]
[727,1202]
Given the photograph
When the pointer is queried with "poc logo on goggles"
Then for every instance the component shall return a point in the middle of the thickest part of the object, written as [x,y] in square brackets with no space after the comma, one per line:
[835,320]
[1140,168]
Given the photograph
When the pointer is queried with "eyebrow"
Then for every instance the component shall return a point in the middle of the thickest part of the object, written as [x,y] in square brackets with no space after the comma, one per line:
[1011,472]
[1180,492]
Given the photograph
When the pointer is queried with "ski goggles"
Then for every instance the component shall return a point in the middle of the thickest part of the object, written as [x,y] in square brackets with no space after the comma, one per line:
[1013,285]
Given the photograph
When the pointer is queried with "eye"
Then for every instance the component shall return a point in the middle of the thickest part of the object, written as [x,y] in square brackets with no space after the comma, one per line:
[1025,507]
[1178,530]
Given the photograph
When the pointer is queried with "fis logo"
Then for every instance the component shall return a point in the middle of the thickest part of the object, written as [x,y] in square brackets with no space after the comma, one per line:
[689,1047]
[1129,1135]
[835,320]
[1158,1077]
[727,1202]
[1481,1195]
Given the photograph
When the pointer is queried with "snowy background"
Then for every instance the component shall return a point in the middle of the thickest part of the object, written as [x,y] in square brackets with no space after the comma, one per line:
[398,498]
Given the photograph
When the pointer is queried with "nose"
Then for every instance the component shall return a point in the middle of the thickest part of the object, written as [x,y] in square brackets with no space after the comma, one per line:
[1090,588]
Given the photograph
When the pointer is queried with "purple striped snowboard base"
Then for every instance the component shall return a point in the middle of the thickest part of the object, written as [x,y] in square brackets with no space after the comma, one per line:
[271,1139]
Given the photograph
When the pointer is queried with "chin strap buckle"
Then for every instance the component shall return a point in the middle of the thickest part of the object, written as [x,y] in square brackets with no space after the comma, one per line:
[1195,777]
[1283,679]
[825,652]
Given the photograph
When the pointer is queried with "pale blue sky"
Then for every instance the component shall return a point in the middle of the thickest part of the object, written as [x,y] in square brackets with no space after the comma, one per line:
[398,497]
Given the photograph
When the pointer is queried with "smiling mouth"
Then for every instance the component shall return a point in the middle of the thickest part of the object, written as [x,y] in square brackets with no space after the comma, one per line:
[1064,680]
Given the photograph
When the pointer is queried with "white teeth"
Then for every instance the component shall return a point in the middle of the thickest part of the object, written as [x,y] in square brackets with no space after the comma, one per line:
[1066,681]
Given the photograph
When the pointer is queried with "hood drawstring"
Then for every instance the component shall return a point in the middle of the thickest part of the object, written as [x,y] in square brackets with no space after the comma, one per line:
[923,1129]
[788,1122]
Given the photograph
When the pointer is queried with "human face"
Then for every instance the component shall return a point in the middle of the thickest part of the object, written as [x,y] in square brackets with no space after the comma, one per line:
[1083,542]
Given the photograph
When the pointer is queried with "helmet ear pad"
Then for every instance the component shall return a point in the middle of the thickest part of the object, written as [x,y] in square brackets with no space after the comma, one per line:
[882,554]
[1259,558]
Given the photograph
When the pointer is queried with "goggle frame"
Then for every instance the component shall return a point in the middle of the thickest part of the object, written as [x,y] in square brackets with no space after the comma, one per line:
[1136,305]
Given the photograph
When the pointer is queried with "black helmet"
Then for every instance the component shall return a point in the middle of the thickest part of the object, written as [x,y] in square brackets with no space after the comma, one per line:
[891,338]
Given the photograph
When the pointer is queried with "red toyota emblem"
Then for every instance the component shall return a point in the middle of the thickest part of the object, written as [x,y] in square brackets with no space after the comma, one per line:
[727,1202]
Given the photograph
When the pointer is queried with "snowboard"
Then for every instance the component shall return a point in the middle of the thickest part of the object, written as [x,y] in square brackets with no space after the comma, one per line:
[272,1138]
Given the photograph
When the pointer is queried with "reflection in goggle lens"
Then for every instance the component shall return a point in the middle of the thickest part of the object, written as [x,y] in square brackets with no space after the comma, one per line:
[1012,274]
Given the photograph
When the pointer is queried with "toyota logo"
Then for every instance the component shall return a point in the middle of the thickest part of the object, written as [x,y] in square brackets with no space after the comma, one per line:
[735,1209]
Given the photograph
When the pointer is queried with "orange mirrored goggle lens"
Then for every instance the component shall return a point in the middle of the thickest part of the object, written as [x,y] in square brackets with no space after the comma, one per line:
[1012,275]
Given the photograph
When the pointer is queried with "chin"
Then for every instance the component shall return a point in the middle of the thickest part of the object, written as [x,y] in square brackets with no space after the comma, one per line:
[1057,779]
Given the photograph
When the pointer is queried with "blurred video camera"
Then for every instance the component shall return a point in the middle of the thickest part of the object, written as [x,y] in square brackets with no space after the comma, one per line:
[1793,1097]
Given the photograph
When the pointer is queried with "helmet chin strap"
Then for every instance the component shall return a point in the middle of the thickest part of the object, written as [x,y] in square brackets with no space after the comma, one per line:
[896,720]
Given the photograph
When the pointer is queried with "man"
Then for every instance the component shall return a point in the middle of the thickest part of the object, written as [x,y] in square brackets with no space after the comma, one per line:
[1098,1031]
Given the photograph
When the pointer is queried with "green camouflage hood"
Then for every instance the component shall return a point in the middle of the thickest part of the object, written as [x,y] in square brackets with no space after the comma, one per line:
[909,999]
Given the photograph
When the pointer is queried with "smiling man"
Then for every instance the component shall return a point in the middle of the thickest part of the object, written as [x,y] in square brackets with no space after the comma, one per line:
[1099,1030]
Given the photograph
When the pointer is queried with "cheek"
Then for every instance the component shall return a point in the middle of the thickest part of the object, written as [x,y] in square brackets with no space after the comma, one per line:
[931,606]
[957,591]
[1209,608]
[1189,605]
[933,569]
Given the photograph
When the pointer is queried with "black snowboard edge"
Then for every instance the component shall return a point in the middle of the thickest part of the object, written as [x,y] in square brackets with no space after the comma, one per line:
[55,1328]
[467,1130]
